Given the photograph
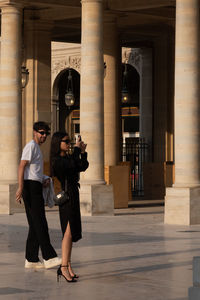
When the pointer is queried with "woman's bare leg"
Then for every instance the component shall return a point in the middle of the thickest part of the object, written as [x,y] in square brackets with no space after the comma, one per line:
[66,251]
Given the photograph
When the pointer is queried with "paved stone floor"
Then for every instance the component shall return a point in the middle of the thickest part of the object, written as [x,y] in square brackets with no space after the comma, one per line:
[131,255]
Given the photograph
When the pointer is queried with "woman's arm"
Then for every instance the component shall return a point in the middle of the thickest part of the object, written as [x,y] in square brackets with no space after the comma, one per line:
[80,160]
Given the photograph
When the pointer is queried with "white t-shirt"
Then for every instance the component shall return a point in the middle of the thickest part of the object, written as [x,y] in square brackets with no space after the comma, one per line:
[34,169]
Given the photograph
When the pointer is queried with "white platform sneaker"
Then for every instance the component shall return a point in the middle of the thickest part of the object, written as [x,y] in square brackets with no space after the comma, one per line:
[52,262]
[33,265]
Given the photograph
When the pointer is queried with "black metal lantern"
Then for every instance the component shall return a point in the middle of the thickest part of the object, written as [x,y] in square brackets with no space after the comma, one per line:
[125,94]
[69,95]
[25,76]
[104,66]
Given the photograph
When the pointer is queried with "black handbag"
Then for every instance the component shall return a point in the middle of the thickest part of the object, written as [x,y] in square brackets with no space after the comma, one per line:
[62,197]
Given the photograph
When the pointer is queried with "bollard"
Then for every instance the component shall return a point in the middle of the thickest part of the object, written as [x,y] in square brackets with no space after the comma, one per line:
[194,291]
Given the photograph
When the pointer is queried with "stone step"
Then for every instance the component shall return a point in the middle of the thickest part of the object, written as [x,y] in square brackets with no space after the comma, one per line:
[142,202]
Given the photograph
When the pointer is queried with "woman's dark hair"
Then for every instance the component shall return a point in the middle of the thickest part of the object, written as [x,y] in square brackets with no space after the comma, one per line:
[55,148]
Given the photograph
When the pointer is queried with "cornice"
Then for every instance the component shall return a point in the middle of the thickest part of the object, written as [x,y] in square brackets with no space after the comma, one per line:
[110,17]
[39,25]
[90,1]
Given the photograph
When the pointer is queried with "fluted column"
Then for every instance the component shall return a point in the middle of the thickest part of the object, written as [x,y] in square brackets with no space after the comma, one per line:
[183,200]
[91,103]
[10,92]
[111,92]
[95,196]
[187,105]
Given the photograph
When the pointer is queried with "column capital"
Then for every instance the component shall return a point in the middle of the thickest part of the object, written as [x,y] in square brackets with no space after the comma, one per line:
[11,4]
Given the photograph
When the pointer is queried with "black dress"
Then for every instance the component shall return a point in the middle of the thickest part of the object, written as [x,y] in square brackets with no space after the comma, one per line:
[69,167]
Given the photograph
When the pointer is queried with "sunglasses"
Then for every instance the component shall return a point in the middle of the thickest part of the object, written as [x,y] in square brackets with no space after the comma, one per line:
[67,141]
[42,132]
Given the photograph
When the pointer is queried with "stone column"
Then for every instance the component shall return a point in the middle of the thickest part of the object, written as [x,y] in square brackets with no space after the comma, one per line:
[146,100]
[95,195]
[37,94]
[183,200]
[10,103]
[111,92]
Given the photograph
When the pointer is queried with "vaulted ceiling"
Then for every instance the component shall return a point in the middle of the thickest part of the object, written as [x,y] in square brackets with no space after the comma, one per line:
[137,20]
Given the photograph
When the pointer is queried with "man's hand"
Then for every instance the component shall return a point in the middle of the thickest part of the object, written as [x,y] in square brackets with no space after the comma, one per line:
[46,182]
[19,195]
[22,166]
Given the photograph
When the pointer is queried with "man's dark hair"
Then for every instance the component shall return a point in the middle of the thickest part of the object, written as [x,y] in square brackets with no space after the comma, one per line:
[41,125]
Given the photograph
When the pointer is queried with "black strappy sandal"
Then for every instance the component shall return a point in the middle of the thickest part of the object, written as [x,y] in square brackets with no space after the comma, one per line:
[59,274]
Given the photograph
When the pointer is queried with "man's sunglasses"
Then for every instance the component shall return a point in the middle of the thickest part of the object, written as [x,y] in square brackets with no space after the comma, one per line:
[42,132]
[67,141]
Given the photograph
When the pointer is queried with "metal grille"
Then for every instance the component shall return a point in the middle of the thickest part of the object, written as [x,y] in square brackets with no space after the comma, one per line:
[135,151]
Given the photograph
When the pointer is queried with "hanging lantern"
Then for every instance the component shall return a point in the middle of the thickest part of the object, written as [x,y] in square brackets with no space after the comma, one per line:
[25,76]
[69,95]
[125,93]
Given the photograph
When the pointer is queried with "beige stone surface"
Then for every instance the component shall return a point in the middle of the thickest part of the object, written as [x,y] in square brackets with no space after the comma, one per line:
[119,177]
[183,200]
[8,204]
[182,206]
[37,94]
[187,107]
[130,256]
[96,200]
[10,95]
[91,99]
[111,92]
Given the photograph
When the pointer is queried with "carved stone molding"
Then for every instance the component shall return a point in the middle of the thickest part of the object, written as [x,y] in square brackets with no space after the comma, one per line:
[73,62]
[132,57]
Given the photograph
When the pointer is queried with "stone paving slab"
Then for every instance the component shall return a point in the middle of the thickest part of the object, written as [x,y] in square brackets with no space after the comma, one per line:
[131,255]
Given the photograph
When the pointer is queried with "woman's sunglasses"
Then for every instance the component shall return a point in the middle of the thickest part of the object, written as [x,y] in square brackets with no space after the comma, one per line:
[67,141]
[42,132]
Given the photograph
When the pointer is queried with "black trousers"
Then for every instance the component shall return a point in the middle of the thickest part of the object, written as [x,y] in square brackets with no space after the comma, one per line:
[38,235]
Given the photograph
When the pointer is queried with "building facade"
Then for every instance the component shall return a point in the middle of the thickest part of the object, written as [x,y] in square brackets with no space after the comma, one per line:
[168,67]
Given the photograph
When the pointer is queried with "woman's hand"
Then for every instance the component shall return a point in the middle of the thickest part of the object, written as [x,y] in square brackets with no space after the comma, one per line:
[78,144]
[83,147]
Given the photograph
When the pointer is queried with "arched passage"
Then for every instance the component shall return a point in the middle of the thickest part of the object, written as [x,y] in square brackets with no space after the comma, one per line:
[130,110]
[63,115]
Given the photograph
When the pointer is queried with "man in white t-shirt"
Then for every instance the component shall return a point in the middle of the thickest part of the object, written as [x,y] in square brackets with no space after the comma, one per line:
[30,177]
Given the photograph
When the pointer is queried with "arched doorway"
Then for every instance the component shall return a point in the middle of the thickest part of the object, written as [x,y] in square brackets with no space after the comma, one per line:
[133,147]
[130,110]
[67,117]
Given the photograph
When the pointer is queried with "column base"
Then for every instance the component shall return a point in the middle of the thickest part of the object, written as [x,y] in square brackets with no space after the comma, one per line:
[96,200]
[8,205]
[182,205]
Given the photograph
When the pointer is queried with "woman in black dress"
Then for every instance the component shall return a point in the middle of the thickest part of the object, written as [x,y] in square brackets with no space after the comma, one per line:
[67,166]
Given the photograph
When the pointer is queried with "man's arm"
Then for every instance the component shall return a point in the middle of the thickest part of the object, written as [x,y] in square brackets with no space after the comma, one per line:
[21,168]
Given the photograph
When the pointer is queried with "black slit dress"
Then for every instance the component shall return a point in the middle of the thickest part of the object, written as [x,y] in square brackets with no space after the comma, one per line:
[69,167]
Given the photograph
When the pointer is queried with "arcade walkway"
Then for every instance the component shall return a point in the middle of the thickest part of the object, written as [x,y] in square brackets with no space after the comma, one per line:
[132,256]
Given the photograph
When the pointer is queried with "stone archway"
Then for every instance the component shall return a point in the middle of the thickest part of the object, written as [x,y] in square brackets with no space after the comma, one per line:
[62,115]
[64,56]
